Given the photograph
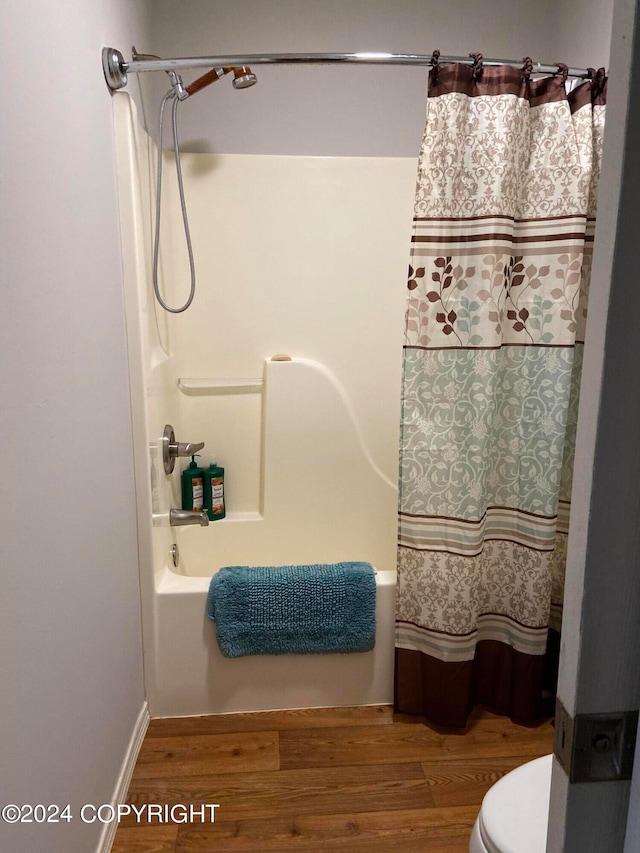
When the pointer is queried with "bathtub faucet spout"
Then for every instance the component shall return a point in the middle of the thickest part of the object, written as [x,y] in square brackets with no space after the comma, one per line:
[179,517]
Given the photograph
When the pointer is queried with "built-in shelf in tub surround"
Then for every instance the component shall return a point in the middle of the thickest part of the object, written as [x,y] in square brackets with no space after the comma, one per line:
[252,385]
[247,385]
[236,517]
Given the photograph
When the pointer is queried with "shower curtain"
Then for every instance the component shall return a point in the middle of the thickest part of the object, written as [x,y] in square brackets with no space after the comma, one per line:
[497,301]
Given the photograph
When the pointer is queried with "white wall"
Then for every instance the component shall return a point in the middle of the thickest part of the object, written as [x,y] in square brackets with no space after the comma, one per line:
[72,681]
[349,110]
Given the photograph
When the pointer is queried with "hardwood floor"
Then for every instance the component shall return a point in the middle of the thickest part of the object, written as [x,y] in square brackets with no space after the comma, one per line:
[361,780]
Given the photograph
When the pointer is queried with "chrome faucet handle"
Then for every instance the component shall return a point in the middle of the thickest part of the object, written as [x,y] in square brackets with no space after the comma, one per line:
[180,448]
[171,448]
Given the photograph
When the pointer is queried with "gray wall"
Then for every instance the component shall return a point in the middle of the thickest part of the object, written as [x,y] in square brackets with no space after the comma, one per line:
[358,111]
[70,641]
[580,32]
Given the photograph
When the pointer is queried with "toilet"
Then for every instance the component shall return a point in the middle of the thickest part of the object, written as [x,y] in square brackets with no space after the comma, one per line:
[515,811]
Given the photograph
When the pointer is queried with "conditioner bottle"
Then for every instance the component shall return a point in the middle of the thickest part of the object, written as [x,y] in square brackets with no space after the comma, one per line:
[214,491]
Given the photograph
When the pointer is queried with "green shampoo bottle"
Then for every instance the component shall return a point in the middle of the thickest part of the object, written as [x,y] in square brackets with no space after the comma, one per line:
[214,492]
[193,487]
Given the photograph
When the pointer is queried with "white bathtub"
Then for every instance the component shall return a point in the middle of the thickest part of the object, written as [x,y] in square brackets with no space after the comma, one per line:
[192,677]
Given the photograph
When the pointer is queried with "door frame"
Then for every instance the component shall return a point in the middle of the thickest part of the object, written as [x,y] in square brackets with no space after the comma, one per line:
[600,647]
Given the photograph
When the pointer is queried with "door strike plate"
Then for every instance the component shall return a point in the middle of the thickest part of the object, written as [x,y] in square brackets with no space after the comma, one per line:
[595,747]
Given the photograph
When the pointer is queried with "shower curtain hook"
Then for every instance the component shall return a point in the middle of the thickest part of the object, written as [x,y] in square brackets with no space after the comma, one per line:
[527,68]
[564,70]
[435,65]
[476,70]
[599,82]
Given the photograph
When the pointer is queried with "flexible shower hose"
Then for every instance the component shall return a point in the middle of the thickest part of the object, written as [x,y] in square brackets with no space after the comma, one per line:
[185,221]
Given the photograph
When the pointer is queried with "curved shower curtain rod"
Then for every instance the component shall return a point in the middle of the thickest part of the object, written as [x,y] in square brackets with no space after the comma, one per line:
[116,68]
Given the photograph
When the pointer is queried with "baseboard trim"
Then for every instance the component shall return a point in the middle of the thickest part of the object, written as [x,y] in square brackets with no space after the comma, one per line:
[126,772]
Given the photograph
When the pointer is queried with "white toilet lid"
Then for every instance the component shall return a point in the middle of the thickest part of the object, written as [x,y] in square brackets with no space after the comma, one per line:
[515,811]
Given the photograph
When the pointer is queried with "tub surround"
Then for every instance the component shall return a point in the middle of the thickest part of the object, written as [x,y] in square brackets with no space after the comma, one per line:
[309,444]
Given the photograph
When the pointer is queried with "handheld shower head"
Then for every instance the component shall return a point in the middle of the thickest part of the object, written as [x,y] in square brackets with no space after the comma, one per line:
[243,77]
[206,80]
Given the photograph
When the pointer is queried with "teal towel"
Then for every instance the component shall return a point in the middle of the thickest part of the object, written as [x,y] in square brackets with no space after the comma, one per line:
[278,610]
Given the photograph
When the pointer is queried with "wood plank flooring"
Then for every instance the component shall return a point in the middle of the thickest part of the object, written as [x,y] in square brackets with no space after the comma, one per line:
[361,780]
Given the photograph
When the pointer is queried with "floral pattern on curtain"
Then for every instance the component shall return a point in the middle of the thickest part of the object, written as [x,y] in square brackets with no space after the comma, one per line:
[498,284]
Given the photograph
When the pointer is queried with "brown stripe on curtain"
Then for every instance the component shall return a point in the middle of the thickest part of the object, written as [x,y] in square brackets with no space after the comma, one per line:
[501,80]
[592,92]
[499,678]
